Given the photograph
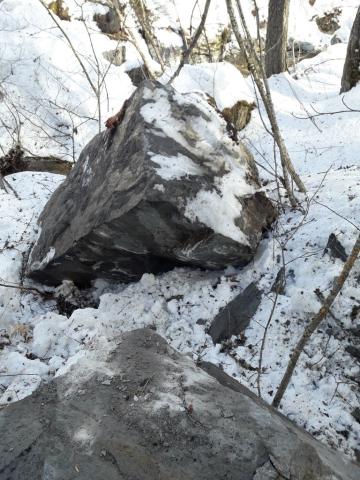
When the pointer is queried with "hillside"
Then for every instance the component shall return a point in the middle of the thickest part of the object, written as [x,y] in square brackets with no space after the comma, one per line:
[54,101]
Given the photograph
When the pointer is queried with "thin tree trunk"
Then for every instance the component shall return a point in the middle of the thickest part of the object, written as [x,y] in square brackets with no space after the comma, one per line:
[140,12]
[257,70]
[185,57]
[276,37]
[315,322]
[132,39]
[351,72]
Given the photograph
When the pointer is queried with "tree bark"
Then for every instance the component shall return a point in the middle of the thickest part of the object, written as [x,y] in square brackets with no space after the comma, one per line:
[351,72]
[37,164]
[276,37]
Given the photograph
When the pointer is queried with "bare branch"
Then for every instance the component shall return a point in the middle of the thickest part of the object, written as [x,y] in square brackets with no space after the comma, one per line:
[186,55]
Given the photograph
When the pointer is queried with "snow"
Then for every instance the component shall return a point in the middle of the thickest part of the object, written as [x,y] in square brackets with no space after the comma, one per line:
[49,103]
[176,167]
[56,115]
[220,209]
[221,81]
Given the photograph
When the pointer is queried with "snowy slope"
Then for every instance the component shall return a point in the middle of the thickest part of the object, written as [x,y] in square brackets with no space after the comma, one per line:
[37,343]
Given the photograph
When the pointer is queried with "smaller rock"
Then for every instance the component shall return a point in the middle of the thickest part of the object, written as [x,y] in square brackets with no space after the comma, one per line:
[329,22]
[235,317]
[279,284]
[355,331]
[356,414]
[239,115]
[335,249]
[108,22]
[355,311]
[354,351]
[335,39]
[60,10]
[137,75]
[4,339]
[117,56]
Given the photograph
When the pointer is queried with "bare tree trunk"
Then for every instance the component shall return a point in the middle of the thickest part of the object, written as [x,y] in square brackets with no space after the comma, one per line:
[150,38]
[351,72]
[315,322]
[276,37]
[186,55]
[132,38]
[256,68]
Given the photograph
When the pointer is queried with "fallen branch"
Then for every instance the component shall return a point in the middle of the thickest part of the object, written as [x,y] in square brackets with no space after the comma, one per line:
[27,289]
[315,322]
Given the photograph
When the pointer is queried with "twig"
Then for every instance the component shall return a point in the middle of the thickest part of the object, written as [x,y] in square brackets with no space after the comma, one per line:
[28,289]
[258,379]
[186,55]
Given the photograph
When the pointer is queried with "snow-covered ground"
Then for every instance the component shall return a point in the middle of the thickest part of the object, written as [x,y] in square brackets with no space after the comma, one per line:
[37,343]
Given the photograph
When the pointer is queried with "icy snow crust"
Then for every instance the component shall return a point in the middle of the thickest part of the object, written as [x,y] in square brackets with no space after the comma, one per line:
[36,343]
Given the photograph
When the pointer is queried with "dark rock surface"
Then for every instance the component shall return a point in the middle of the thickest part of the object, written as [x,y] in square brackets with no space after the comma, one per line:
[156,416]
[235,317]
[166,187]
[108,22]
[137,75]
[335,249]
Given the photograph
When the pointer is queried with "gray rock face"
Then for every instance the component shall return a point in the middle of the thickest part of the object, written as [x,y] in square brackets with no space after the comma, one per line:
[156,416]
[166,187]
[235,317]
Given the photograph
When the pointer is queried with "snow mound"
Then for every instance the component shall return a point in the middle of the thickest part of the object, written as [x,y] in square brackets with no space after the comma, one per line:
[221,81]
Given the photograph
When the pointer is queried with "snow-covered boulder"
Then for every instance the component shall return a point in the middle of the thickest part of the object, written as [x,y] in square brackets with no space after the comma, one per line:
[165,187]
[150,414]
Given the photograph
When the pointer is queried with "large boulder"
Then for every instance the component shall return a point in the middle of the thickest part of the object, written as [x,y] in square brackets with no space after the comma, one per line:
[149,413]
[166,187]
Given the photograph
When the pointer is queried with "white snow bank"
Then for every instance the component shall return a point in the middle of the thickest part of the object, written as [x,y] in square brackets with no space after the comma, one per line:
[46,98]
[221,81]
[19,210]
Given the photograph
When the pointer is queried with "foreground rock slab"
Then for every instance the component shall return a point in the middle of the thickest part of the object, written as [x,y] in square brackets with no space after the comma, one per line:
[149,413]
[165,187]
